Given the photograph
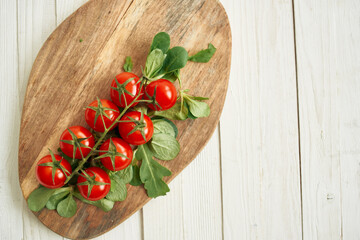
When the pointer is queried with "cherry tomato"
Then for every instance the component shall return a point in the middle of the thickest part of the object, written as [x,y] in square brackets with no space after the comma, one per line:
[119,154]
[165,95]
[142,125]
[45,167]
[101,110]
[128,92]
[83,141]
[100,185]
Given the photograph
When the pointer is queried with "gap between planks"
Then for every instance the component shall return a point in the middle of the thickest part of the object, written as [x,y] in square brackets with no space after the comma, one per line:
[298,118]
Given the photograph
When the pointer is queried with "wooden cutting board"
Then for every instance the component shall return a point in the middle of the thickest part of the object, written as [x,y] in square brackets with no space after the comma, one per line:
[69,73]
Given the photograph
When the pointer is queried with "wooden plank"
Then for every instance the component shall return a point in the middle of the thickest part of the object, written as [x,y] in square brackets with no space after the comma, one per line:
[328,48]
[67,61]
[163,216]
[192,209]
[259,129]
[201,186]
[10,196]
[36,20]
[131,229]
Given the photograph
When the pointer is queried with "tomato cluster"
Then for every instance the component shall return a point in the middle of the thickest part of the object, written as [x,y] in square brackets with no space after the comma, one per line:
[78,143]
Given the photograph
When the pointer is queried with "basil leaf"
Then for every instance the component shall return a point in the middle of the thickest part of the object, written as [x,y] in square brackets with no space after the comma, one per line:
[204,55]
[161,41]
[140,108]
[191,116]
[197,109]
[67,207]
[136,181]
[118,191]
[165,126]
[57,196]
[199,98]
[152,173]
[125,175]
[128,64]
[177,112]
[176,58]
[189,113]
[164,146]
[172,76]
[104,204]
[39,197]
[154,63]
[173,126]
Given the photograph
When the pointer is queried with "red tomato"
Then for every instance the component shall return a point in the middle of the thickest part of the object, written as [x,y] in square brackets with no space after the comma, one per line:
[165,96]
[142,125]
[83,141]
[100,186]
[44,173]
[128,92]
[119,154]
[99,110]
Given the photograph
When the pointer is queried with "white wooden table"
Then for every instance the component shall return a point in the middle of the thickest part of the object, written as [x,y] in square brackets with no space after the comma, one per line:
[284,162]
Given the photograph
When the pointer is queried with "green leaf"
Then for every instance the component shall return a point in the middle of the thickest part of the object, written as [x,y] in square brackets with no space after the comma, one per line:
[172,76]
[204,55]
[67,207]
[154,63]
[125,174]
[191,116]
[177,112]
[189,113]
[199,98]
[197,109]
[141,108]
[161,41]
[119,179]
[164,146]
[165,126]
[152,173]
[128,64]
[136,181]
[39,197]
[176,58]
[57,196]
[104,204]
[118,191]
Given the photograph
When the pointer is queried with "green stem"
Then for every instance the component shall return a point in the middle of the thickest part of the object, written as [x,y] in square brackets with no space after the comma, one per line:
[84,160]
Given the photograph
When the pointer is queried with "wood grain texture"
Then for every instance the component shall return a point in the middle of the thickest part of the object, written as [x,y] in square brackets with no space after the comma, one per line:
[193,208]
[328,59]
[94,62]
[9,119]
[259,138]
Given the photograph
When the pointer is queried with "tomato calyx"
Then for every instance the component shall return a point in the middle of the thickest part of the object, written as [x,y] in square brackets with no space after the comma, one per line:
[100,111]
[139,125]
[90,181]
[112,153]
[55,164]
[76,143]
[121,89]
[153,99]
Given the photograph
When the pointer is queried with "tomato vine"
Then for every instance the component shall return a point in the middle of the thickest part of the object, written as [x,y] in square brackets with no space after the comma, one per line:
[95,167]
